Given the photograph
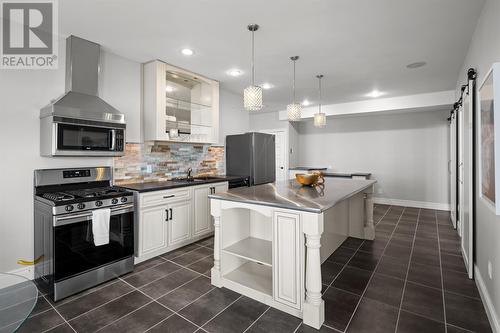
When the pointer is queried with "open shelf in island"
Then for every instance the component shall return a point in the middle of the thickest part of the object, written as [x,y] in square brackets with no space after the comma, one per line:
[253,249]
[254,276]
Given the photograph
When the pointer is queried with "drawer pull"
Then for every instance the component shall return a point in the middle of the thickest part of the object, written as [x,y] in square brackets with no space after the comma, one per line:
[168,196]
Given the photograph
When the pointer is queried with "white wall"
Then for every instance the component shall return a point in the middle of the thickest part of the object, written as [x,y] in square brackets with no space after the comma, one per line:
[407,153]
[266,120]
[484,50]
[22,94]
[234,119]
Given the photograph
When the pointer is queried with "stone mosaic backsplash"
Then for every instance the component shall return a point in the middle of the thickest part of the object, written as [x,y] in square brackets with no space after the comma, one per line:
[158,161]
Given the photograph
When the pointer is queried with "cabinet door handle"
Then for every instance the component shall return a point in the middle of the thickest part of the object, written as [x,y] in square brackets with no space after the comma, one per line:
[171,214]
[166,212]
[168,196]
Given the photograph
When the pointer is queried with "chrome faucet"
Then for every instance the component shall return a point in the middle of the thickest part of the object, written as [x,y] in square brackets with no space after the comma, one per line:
[189,176]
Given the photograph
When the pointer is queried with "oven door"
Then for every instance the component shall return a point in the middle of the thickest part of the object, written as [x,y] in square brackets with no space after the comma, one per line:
[80,139]
[74,249]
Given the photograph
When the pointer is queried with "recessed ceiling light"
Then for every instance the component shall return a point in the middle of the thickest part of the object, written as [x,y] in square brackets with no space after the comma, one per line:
[169,89]
[266,86]
[187,52]
[234,72]
[417,64]
[306,102]
[375,94]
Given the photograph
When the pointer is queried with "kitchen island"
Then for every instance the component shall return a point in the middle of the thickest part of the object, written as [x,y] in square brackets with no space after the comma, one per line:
[270,240]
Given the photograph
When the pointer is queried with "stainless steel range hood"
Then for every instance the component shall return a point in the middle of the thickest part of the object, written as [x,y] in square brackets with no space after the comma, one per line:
[81,100]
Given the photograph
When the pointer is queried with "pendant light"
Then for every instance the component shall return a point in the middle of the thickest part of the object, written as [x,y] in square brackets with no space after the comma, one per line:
[320,117]
[294,109]
[252,95]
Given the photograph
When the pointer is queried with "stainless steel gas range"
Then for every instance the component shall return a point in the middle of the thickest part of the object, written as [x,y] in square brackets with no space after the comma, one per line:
[67,260]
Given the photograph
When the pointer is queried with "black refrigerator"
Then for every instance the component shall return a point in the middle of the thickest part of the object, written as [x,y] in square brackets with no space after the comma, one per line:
[251,155]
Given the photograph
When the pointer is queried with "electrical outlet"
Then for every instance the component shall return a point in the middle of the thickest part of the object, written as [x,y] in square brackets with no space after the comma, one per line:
[149,168]
[490,270]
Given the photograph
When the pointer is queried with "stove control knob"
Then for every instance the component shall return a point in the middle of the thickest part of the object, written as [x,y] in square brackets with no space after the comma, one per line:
[98,203]
[81,206]
[69,208]
[114,201]
[123,199]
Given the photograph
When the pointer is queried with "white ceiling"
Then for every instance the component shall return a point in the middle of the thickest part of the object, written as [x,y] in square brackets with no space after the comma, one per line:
[359,45]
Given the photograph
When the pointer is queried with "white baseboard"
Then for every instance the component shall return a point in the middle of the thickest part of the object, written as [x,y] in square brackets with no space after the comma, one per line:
[27,271]
[489,307]
[411,203]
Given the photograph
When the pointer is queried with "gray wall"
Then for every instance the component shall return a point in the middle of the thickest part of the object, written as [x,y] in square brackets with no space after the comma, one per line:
[233,117]
[407,152]
[484,50]
[23,93]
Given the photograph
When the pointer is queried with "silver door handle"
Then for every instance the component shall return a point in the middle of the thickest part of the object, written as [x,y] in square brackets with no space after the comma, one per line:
[113,139]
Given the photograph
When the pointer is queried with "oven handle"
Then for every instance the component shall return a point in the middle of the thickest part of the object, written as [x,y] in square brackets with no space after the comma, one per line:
[75,218]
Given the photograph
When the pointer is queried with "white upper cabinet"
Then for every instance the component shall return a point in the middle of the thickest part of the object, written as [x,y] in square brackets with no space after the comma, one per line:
[178,101]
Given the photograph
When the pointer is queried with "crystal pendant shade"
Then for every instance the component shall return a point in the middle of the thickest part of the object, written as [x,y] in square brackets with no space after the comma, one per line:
[252,98]
[319,119]
[294,111]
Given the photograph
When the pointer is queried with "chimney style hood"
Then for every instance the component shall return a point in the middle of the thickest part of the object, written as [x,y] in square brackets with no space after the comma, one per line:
[81,100]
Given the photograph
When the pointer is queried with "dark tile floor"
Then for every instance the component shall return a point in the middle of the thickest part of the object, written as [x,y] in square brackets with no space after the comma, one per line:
[409,279]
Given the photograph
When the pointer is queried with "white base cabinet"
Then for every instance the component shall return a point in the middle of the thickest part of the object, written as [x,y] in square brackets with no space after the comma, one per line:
[169,219]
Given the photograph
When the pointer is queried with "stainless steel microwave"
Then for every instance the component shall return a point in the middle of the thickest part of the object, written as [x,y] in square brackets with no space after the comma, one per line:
[61,136]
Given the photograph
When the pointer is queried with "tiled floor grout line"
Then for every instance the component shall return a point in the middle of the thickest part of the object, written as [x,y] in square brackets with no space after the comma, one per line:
[122,280]
[157,279]
[59,314]
[407,271]
[263,313]
[218,313]
[153,300]
[125,315]
[166,307]
[441,270]
[169,290]
[347,262]
[373,272]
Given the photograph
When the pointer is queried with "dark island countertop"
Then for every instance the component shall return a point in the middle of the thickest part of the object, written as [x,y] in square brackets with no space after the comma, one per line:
[172,184]
[331,173]
[291,195]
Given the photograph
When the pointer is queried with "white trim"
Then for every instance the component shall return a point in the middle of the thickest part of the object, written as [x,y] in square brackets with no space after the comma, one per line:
[26,271]
[411,103]
[488,304]
[286,136]
[412,203]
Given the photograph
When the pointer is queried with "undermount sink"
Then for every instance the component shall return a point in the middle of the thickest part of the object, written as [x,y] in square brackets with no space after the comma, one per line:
[194,179]
[186,180]
[206,178]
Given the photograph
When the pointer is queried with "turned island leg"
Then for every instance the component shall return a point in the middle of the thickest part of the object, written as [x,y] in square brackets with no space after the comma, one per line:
[369,227]
[215,211]
[314,306]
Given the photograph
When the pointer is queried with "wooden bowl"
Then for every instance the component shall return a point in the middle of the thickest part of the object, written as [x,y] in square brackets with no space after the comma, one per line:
[308,179]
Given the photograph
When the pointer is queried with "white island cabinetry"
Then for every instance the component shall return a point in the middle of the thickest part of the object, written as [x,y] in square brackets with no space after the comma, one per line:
[270,240]
[169,219]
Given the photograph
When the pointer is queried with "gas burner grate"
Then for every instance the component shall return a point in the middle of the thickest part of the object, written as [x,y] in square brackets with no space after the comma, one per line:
[58,196]
[96,192]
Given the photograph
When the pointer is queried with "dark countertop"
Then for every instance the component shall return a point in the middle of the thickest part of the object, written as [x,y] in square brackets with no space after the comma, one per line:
[290,195]
[307,168]
[170,184]
[331,173]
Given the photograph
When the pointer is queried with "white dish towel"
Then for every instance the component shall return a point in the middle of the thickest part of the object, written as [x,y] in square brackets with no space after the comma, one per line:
[100,226]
